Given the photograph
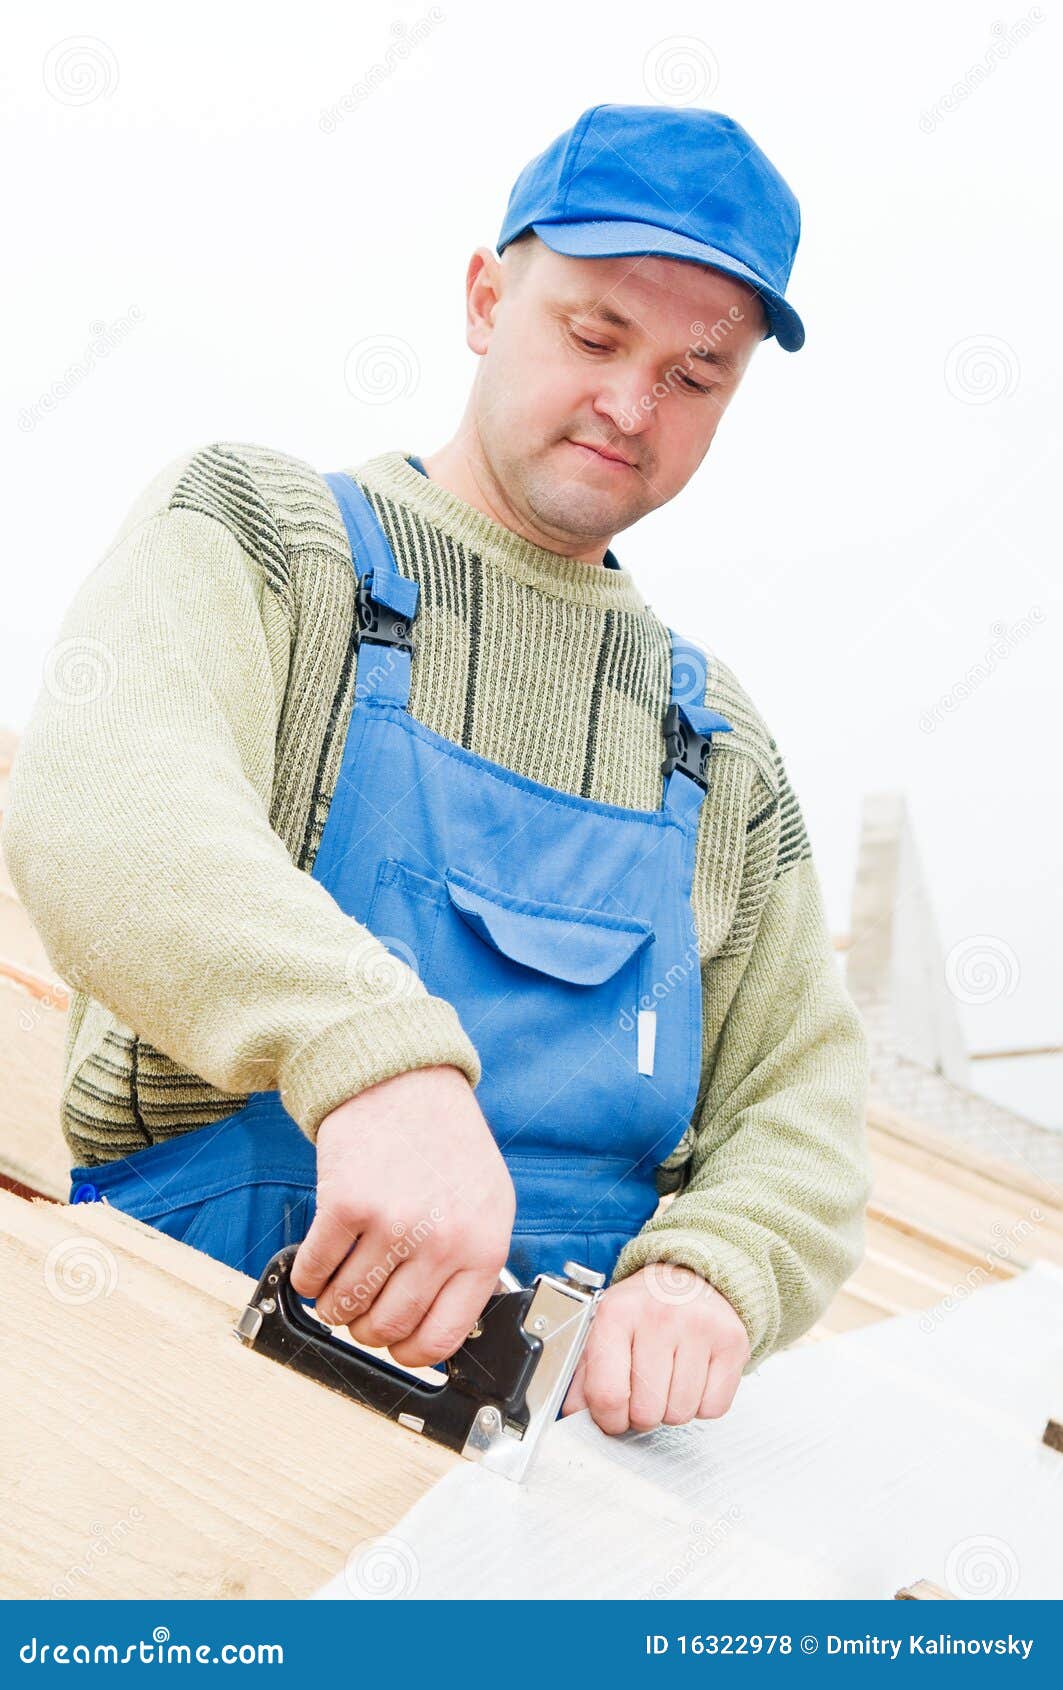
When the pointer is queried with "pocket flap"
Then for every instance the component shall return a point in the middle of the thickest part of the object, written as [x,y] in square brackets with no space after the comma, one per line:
[581,946]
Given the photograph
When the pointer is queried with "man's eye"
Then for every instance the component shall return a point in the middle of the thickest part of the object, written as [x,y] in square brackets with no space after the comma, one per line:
[591,345]
[694,386]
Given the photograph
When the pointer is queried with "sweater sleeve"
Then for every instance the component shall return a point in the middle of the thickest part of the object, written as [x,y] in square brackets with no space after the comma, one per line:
[138,837]
[772,1213]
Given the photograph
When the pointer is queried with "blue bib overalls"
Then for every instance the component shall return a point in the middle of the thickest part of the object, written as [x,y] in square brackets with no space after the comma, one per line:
[561,929]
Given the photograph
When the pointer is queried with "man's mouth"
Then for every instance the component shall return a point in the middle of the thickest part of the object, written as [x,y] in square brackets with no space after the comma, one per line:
[601,454]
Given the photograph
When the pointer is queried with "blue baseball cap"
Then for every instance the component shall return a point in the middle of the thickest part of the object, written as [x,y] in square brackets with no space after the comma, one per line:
[672,181]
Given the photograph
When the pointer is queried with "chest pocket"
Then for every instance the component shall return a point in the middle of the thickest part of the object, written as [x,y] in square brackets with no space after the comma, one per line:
[548,992]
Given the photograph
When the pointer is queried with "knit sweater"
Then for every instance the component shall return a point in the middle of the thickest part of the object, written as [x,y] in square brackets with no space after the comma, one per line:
[170,791]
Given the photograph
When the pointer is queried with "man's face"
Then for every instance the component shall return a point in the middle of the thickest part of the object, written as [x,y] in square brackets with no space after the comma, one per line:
[637,356]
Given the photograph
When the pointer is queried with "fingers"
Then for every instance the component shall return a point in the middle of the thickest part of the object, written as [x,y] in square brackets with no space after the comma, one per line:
[400,1306]
[652,1360]
[359,1279]
[607,1376]
[724,1378]
[690,1372]
[448,1321]
[321,1252]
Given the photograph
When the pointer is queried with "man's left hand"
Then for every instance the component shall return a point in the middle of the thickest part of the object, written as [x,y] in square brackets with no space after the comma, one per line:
[665,1347]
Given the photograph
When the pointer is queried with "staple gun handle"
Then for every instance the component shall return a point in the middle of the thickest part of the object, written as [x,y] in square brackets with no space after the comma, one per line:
[491,1370]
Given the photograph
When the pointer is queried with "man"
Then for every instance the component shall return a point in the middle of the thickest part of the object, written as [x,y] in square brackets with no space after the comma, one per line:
[389,927]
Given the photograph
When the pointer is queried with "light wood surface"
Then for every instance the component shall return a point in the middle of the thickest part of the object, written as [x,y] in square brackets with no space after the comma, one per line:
[146,1451]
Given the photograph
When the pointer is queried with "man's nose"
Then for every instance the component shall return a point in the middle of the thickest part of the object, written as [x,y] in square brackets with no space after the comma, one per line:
[628,403]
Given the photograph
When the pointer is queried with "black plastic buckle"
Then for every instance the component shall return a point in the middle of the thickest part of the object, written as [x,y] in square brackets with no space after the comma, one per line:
[687,750]
[377,622]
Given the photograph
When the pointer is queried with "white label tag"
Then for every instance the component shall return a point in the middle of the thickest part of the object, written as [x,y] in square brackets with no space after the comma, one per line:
[647,1039]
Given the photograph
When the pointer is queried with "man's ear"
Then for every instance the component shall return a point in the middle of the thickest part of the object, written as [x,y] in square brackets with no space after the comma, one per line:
[484,284]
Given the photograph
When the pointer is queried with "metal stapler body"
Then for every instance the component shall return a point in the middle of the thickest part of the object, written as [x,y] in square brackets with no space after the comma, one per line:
[503,1388]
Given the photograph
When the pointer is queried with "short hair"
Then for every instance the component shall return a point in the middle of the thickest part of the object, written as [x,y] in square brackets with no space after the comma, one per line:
[519,251]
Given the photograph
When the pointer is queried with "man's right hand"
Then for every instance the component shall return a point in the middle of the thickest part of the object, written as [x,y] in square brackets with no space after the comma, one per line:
[409,1174]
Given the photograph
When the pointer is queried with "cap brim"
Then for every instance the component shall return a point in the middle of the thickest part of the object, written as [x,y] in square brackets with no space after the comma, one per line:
[609,238]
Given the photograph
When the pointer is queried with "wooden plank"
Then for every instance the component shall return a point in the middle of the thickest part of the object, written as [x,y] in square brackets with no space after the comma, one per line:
[152,1454]
[987,1220]
[889,1129]
[33,1151]
[897,1233]
[21,951]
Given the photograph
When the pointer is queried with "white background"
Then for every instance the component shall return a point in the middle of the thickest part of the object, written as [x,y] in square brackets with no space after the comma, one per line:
[874,515]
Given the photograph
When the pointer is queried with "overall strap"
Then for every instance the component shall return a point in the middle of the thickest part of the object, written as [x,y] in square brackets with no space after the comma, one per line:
[688,729]
[387,600]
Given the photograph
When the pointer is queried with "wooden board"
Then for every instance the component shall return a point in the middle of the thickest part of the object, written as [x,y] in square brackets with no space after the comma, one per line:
[33,1004]
[146,1451]
[33,1151]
